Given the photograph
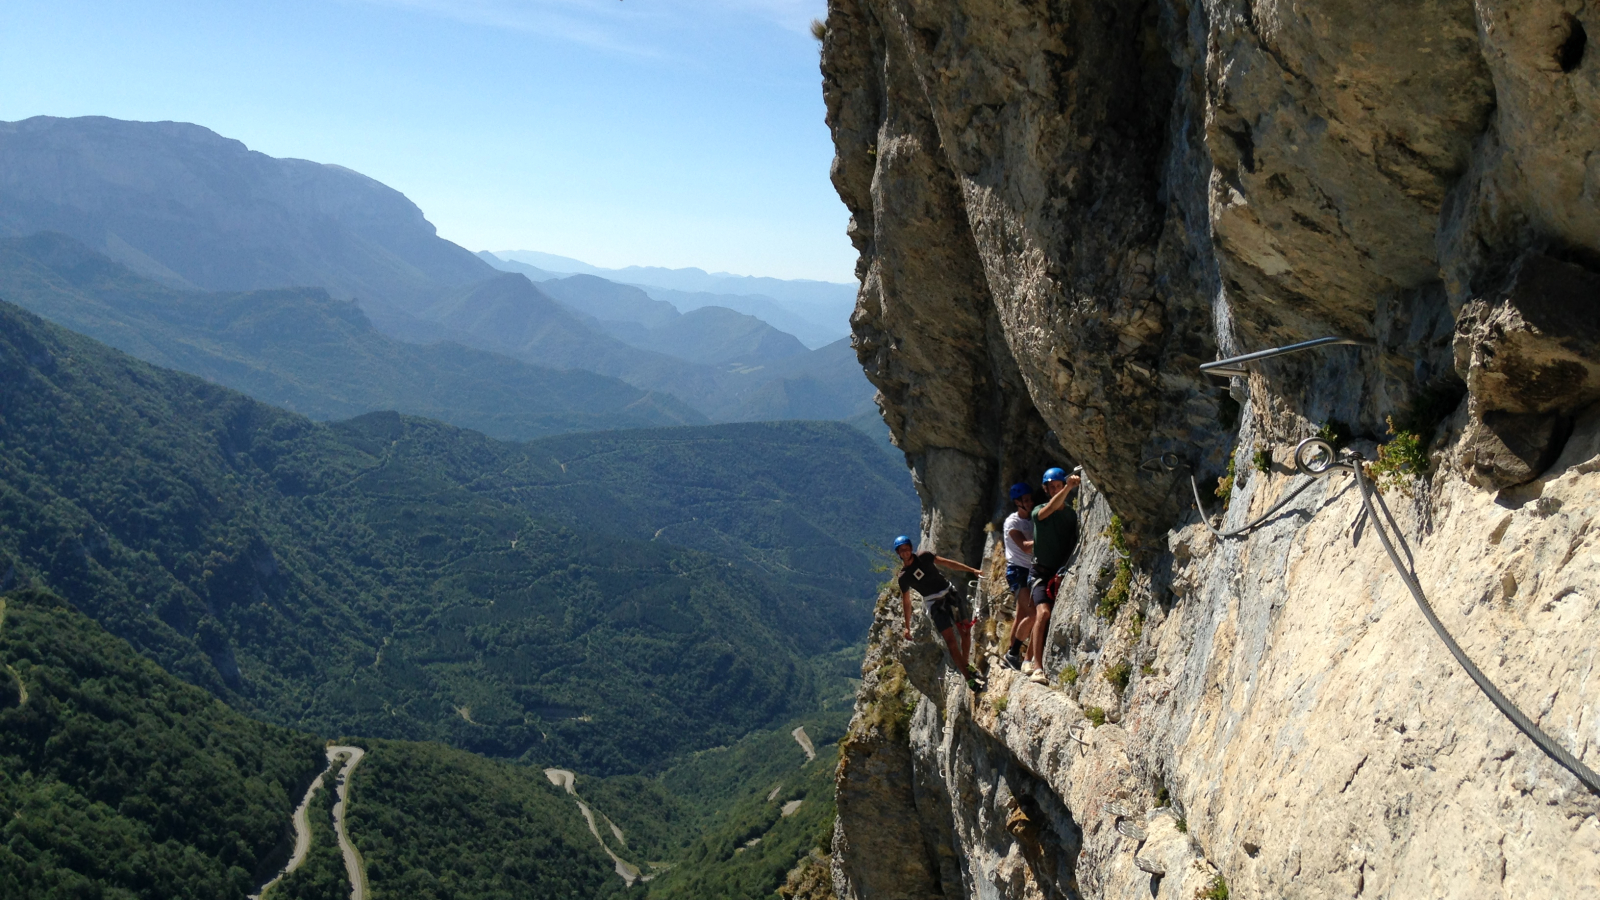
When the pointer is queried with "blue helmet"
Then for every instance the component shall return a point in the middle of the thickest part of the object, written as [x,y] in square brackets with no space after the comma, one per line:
[1054,474]
[901,541]
[1020,490]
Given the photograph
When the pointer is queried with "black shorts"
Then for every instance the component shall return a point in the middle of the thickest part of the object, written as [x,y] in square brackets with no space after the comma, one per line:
[1016,577]
[1040,580]
[944,609]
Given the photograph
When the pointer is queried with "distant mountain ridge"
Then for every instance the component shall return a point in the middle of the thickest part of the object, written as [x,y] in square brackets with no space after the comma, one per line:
[300,349]
[816,311]
[183,204]
[180,204]
[711,335]
[510,314]
[693,279]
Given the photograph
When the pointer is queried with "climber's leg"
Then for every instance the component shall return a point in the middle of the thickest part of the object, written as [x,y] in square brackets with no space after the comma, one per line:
[957,653]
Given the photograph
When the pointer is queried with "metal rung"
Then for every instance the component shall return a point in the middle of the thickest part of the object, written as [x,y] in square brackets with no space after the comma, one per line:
[1234,365]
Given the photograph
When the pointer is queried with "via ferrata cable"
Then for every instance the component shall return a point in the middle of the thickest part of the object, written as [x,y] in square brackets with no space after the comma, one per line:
[1546,743]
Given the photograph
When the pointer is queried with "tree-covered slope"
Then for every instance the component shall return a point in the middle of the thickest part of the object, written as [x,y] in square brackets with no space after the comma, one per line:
[387,576]
[726,823]
[435,823]
[300,349]
[795,499]
[780,809]
[723,824]
[119,781]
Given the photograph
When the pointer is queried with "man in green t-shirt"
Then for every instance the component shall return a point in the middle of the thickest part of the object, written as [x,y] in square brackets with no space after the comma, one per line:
[1055,536]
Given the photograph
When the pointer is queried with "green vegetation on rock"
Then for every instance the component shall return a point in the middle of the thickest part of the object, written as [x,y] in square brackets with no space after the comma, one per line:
[1262,460]
[1122,572]
[1118,675]
[1224,490]
[1401,460]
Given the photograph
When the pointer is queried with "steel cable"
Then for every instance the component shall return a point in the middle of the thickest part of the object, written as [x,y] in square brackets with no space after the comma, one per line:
[1372,504]
[1546,743]
[1238,532]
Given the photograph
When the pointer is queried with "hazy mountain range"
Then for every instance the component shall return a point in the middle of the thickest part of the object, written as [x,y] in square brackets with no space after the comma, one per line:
[817,312]
[180,205]
[301,349]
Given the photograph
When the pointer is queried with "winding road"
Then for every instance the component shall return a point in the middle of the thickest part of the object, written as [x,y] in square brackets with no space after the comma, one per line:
[804,740]
[302,837]
[563,778]
[354,867]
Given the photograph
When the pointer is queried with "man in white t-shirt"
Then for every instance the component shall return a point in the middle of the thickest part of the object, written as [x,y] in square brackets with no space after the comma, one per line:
[1018,532]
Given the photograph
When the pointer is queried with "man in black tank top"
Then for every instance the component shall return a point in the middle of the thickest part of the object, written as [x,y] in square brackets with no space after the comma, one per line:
[920,573]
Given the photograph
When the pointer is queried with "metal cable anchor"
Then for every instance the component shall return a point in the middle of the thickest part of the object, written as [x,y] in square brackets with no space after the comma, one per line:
[1316,457]
[1234,365]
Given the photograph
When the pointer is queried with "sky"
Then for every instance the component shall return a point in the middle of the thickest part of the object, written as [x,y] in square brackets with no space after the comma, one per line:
[619,132]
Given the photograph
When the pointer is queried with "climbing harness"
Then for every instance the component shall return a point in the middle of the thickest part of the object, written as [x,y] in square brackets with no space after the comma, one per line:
[1317,458]
[1234,365]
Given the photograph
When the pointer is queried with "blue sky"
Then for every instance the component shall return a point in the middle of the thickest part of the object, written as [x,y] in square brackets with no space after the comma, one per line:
[621,132]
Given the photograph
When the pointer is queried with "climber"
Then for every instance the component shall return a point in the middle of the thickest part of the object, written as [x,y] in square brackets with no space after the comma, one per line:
[1018,540]
[1055,536]
[938,598]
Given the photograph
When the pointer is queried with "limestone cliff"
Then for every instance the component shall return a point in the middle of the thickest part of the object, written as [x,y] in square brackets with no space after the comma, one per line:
[1062,209]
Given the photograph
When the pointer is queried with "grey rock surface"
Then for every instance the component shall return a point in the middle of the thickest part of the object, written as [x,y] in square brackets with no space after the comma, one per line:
[1061,210]
[1531,359]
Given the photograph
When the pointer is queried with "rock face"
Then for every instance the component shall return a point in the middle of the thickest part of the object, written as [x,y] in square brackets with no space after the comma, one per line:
[1531,359]
[1062,209]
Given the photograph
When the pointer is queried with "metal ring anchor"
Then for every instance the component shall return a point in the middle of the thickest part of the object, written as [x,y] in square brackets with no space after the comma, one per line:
[1316,457]
[1166,462]
[1234,365]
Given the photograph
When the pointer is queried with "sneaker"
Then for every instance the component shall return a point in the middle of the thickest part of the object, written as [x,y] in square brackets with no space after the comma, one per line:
[1038,677]
[1013,660]
[1028,668]
[972,684]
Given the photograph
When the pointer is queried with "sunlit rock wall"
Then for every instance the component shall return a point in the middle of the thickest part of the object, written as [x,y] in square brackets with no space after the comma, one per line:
[1062,209]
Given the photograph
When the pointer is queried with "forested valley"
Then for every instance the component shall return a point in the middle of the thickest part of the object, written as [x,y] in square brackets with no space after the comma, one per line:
[655,610]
